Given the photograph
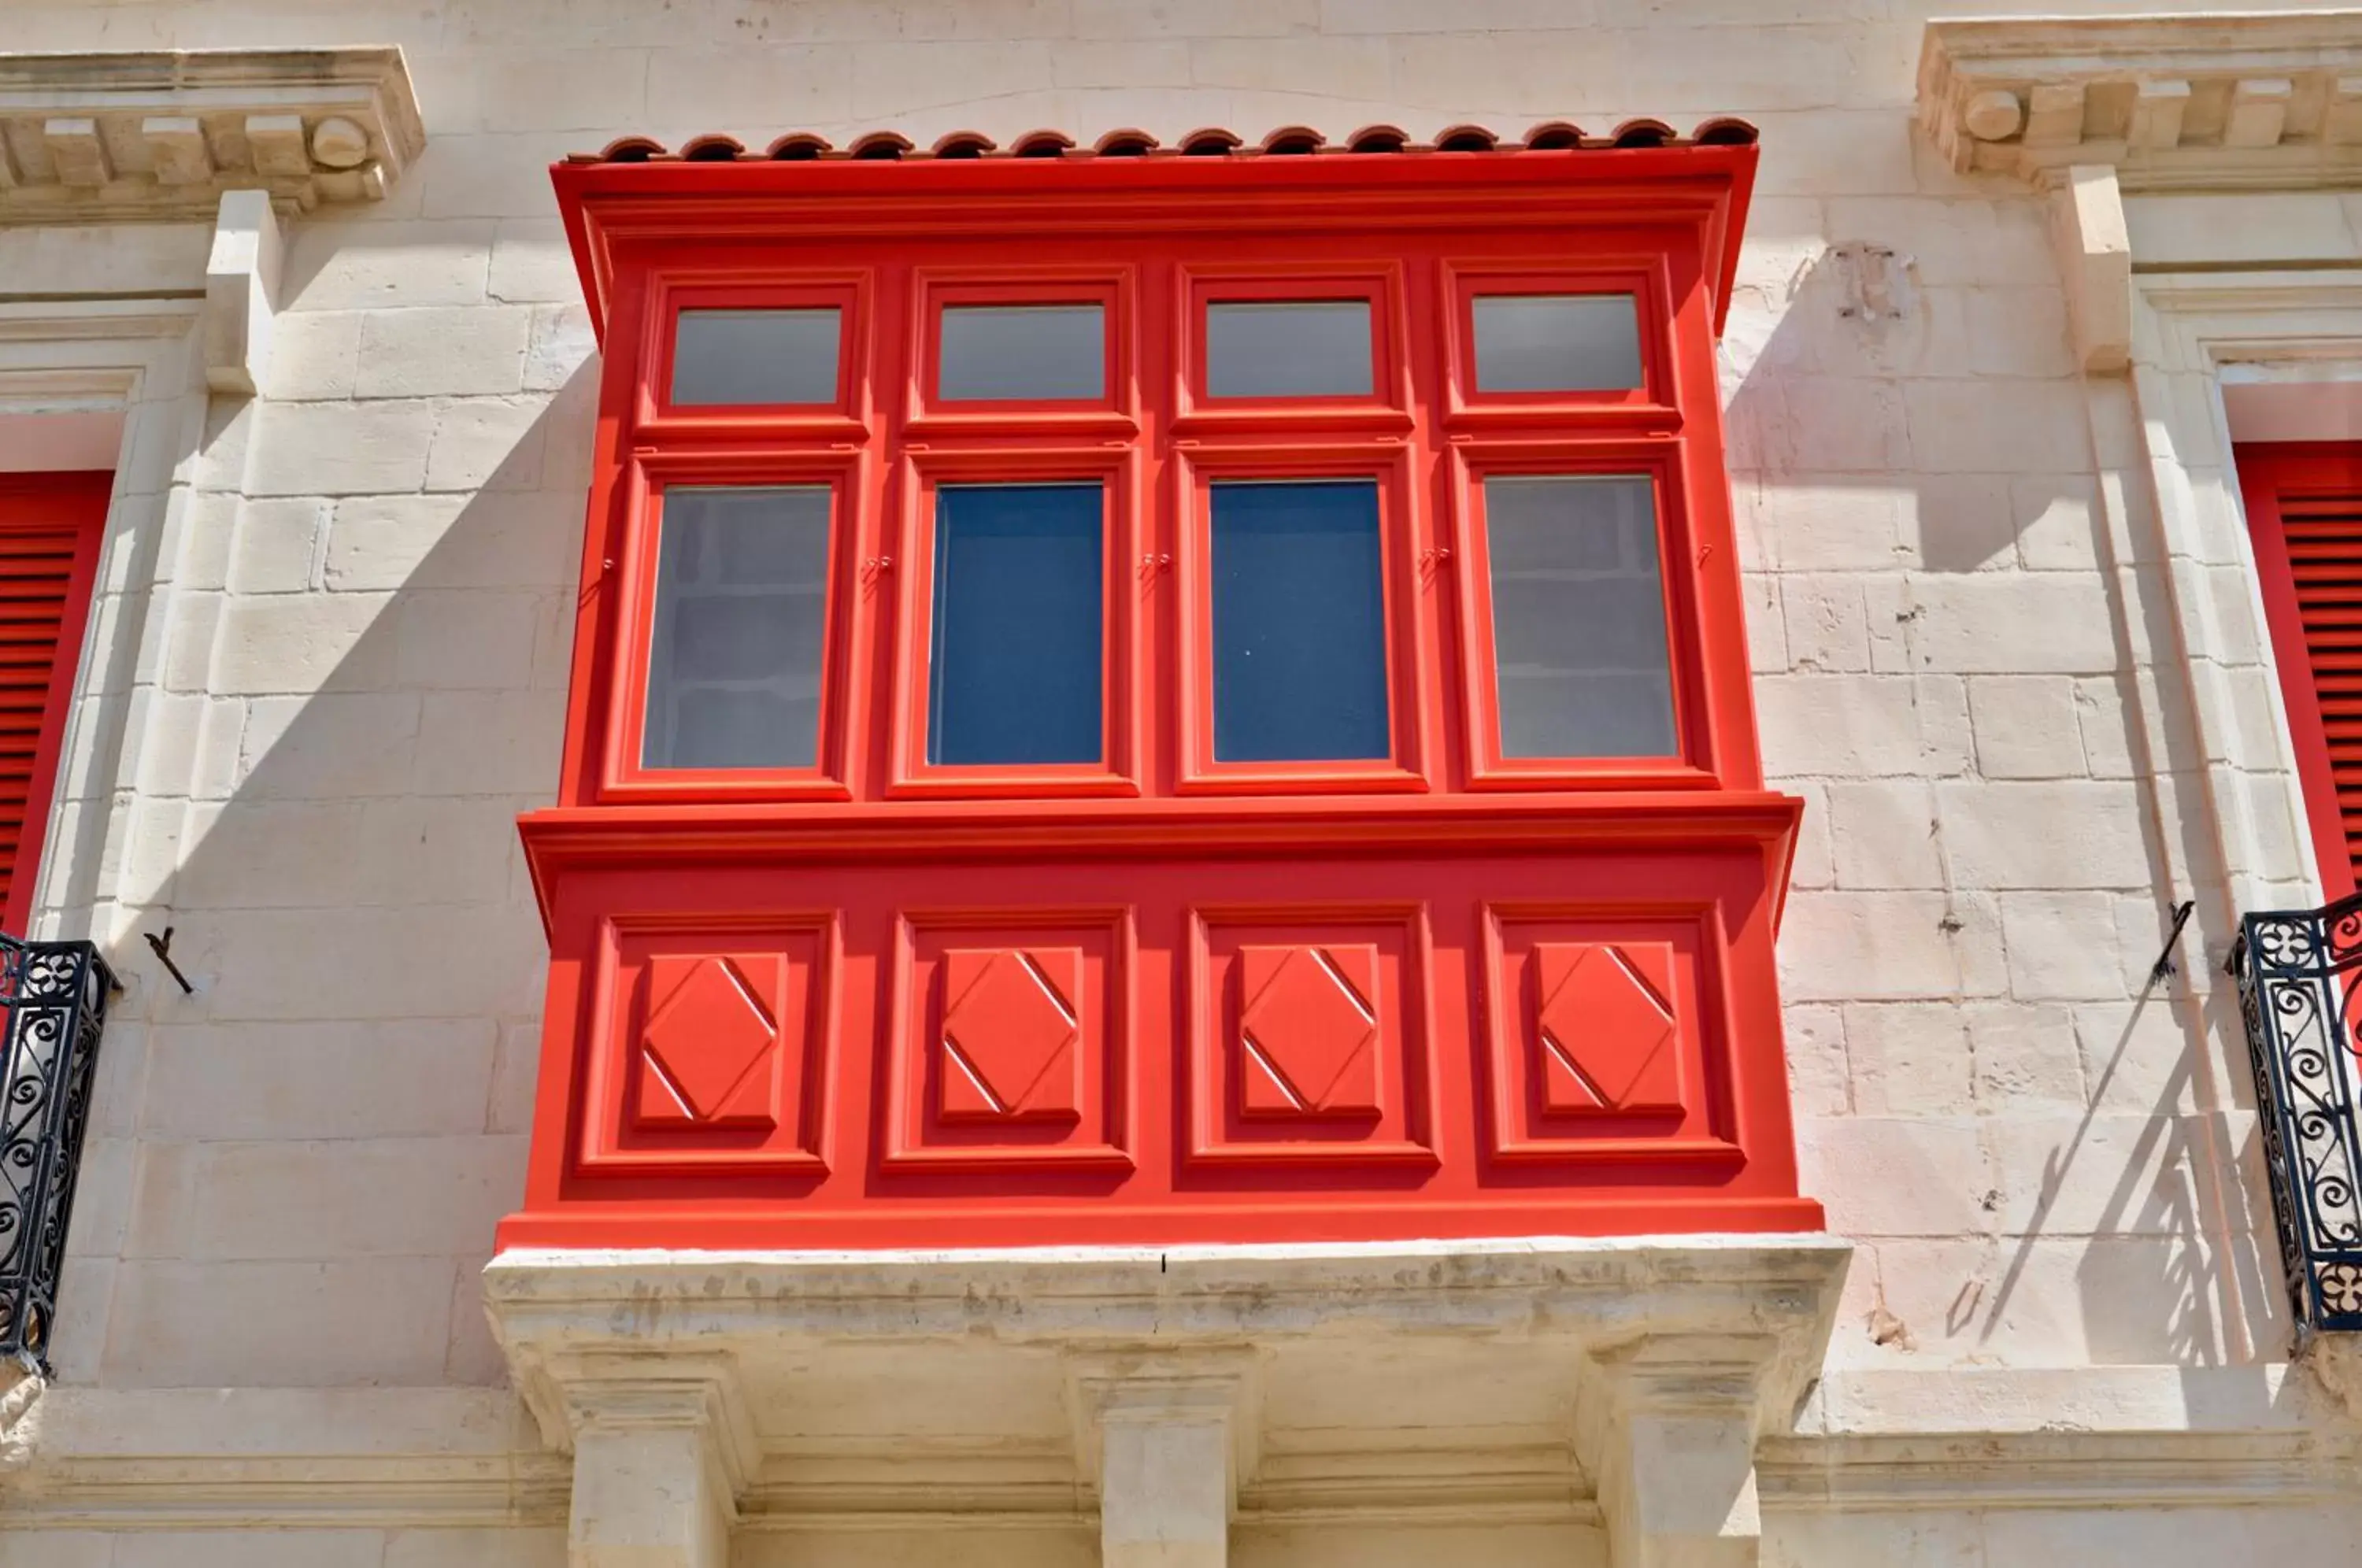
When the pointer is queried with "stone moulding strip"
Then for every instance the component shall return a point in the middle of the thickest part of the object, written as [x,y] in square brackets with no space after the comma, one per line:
[108,134]
[2055,1469]
[2270,100]
[326,1491]
[375,1467]
[527,1489]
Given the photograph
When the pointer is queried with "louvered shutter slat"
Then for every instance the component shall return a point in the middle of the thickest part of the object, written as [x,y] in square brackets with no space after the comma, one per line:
[2323,535]
[37,561]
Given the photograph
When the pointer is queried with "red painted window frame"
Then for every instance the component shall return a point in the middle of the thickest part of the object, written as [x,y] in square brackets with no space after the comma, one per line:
[625,778]
[77,500]
[1424,431]
[2271,472]
[1117,771]
[1196,411]
[1113,414]
[1660,463]
[1402,530]
[1645,278]
[658,420]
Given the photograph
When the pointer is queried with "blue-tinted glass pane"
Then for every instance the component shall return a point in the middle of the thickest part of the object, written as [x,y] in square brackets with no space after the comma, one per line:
[741,606]
[751,357]
[995,353]
[1019,587]
[1299,622]
[1579,616]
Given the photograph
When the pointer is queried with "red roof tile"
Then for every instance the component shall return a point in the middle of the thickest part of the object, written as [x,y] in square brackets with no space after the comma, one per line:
[1287,141]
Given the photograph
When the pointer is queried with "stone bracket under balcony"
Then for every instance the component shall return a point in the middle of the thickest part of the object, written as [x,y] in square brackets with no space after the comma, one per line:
[1162,1400]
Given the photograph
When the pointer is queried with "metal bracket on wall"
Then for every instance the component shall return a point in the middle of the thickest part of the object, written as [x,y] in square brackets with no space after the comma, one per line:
[162,947]
[2165,967]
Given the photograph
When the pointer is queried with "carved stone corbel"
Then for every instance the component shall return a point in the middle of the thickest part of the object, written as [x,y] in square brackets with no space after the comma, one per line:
[1667,1429]
[2096,261]
[664,1448]
[241,292]
[1165,1438]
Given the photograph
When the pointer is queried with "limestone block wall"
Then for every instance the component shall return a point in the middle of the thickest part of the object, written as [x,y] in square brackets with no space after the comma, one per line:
[361,682]
[366,669]
[2034,1144]
[295,1171]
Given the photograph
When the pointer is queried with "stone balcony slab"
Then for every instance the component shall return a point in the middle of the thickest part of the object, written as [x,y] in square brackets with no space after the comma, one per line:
[1549,1377]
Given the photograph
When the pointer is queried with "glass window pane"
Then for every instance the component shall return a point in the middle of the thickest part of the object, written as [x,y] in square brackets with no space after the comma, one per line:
[1556,343]
[742,607]
[1579,617]
[1019,586]
[741,356]
[1299,622]
[1000,353]
[1288,349]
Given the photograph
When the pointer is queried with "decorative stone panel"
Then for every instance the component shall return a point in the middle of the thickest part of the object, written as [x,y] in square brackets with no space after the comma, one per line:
[2225,102]
[92,136]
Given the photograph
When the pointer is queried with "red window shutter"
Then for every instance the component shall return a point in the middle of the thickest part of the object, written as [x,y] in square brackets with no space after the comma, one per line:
[49,529]
[2304,510]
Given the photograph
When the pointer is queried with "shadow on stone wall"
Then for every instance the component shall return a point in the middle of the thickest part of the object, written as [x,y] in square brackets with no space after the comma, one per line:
[330,1126]
[1917,428]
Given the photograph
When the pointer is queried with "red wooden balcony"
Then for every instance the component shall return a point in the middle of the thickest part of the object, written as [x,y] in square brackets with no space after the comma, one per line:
[1474,957]
[797,1029]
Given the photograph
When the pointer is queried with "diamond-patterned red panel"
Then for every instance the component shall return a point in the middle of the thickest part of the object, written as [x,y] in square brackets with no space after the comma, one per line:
[1308,1030]
[1608,1038]
[707,1044]
[1011,1025]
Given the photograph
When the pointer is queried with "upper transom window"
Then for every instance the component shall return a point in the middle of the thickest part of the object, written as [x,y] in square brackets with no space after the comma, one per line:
[756,356]
[1013,353]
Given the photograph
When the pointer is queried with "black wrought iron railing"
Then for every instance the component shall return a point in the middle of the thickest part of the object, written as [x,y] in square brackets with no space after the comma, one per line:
[2299,973]
[53,1001]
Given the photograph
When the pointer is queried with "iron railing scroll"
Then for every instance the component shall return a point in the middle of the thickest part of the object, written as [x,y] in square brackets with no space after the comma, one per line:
[53,1001]
[2298,972]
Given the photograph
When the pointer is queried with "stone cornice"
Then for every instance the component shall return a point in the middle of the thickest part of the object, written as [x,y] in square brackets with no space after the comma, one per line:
[162,135]
[2208,102]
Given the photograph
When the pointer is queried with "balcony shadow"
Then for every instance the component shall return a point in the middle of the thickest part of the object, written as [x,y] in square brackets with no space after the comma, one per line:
[1870,392]
[332,1123]
[2162,1278]
[1854,377]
